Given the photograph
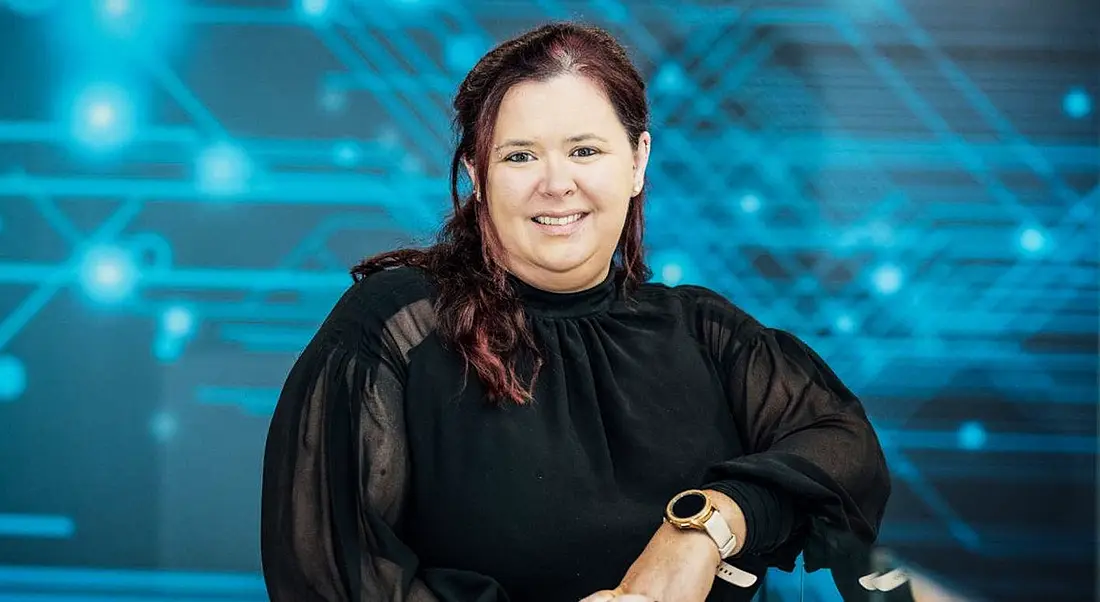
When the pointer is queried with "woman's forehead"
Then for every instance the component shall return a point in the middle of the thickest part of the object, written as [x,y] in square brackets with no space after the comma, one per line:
[563,109]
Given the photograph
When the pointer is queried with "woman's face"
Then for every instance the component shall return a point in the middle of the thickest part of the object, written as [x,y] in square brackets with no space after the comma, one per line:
[562,172]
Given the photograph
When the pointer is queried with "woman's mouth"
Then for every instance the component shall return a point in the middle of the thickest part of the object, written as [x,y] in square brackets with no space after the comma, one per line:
[560,225]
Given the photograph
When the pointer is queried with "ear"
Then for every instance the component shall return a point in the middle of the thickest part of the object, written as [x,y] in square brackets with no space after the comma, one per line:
[641,162]
[473,176]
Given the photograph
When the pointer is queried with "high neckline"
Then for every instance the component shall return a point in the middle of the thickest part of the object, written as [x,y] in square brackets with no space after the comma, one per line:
[587,302]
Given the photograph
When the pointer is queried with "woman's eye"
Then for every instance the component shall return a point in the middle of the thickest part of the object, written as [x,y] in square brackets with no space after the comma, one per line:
[586,151]
[520,157]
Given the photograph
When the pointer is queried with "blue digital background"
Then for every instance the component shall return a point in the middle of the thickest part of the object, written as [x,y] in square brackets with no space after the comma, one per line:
[909,185]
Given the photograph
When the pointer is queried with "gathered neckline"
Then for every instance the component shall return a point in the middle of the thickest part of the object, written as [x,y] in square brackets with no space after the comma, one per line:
[587,302]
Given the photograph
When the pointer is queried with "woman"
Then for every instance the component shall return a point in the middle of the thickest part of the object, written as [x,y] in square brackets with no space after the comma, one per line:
[508,414]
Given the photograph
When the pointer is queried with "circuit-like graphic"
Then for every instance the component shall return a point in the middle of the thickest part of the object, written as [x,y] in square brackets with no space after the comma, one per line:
[911,186]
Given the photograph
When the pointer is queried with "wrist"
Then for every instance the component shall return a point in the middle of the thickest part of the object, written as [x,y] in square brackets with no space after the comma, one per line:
[733,515]
[702,511]
[690,543]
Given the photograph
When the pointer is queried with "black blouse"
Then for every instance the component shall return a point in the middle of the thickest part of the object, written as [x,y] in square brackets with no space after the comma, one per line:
[388,476]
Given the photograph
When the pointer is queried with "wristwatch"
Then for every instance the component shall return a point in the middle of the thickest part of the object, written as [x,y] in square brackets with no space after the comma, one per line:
[692,509]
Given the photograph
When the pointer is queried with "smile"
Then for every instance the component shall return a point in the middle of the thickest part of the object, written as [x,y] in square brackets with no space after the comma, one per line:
[547,220]
[560,225]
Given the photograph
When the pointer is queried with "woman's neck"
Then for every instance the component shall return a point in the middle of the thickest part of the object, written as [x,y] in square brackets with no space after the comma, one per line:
[572,281]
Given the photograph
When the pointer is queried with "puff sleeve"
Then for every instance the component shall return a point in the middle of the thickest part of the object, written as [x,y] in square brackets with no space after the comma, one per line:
[814,477]
[335,475]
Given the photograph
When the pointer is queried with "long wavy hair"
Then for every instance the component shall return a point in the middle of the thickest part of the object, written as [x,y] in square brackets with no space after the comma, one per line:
[479,313]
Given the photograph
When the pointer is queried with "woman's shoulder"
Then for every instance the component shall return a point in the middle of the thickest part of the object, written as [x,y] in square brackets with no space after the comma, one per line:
[391,287]
[391,303]
[695,301]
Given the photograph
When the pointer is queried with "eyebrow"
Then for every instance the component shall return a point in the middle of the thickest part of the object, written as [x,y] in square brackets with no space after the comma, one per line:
[571,139]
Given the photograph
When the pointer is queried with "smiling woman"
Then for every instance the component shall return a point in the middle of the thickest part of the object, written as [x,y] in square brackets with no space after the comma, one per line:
[560,181]
[618,439]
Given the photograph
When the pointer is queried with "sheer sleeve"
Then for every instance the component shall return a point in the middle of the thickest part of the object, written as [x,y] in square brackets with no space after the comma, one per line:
[813,460]
[335,475]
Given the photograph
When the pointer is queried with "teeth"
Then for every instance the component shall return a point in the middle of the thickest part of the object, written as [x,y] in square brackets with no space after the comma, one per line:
[558,221]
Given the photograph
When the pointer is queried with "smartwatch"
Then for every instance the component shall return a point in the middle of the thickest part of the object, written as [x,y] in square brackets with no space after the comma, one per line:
[692,509]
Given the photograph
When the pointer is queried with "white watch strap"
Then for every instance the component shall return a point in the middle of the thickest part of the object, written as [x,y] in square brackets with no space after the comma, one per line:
[719,531]
[728,572]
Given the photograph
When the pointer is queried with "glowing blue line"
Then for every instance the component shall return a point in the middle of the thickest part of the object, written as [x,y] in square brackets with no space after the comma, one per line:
[396,82]
[422,65]
[994,442]
[36,525]
[166,582]
[342,189]
[241,16]
[268,337]
[956,76]
[934,121]
[255,400]
[40,597]
[212,278]
[902,468]
[37,131]
[181,93]
[57,220]
[62,275]
[399,113]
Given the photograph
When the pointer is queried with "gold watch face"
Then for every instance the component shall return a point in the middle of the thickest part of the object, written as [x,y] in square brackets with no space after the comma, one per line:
[689,509]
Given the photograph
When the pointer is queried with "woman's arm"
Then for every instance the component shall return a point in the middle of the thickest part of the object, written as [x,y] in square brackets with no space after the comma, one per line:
[335,477]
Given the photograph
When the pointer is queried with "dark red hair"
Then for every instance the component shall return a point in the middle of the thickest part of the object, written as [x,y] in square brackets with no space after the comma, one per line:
[479,313]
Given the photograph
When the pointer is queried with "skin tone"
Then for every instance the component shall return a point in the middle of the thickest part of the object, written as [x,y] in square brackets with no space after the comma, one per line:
[562,175]
[559,154]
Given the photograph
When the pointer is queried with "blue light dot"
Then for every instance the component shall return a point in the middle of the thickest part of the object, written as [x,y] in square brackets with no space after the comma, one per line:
[673,267]
[463,52]
[164,426]
[1032,240]
[1077,103]
[223,170]
[887,279]
[13,378]
[971,435]
[314,10]
[108,274]
[750,203]
[845,323]
[178,321]
[670,78]
[116,8]
[103,117]
[672,274]
[346,154]
[333,100]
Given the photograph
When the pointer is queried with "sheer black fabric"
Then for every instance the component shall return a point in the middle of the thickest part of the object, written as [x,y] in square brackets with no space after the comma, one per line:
[388,477]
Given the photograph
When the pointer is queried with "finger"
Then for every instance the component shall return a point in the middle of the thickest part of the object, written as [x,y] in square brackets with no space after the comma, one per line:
[606,595]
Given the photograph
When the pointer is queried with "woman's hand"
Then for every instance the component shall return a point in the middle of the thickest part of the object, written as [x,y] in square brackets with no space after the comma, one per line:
[616,595]
[676,566]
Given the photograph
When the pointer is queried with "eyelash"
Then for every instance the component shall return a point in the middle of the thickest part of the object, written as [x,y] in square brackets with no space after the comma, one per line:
[583,148]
